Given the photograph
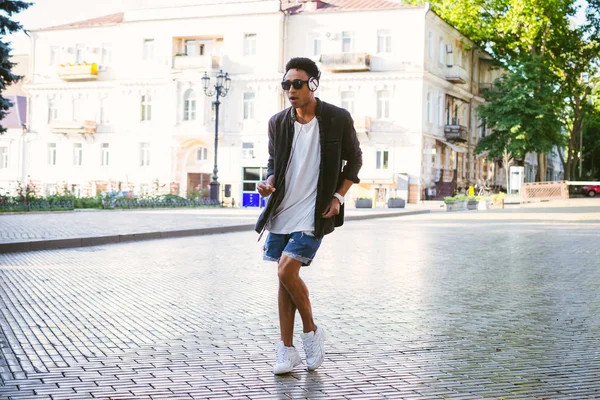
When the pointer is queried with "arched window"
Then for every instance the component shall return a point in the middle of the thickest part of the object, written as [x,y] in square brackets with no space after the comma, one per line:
[189,105]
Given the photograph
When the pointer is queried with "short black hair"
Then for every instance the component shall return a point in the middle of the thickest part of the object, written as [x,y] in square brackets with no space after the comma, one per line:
[305,64]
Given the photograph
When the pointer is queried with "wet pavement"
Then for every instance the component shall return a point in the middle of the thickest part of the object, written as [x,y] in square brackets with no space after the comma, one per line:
[497,304]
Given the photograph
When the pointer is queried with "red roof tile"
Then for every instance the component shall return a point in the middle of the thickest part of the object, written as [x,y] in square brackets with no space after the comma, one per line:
[112,19]
[299,6]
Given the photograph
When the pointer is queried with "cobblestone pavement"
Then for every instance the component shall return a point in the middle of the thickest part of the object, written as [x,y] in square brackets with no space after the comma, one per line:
[444,305]
[65,225]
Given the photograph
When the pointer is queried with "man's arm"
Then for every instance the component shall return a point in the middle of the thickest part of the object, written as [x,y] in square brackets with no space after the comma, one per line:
[268,186]
[353,155]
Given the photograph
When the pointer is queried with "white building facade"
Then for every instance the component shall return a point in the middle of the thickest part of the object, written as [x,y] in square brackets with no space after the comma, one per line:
[117,104]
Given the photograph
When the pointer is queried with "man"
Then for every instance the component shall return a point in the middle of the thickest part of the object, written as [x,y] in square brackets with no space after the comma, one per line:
[306,185]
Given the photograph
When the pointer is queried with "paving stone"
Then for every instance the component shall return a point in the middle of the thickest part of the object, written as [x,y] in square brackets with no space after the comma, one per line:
[458,305]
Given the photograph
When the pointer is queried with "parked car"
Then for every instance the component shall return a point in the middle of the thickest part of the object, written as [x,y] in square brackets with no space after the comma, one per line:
[591,191]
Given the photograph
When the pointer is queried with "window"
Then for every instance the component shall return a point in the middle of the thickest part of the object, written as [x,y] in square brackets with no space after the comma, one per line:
[52,110]
[483,128]
[144,154]
[430,45]
[202,154]
[384,41]
[316,46]
[440,110]
[77,109]
[383,104]
[382,158]
[3,157]
[347,42]
[148,50]
[104,154]
[54,55]
[442,52]
[77,154]
[249,105]
[80,54]
[146,107]
[106,56]
[104,117]
[250,44]
[190,48]
[348,101]
[51,153]
[247,150]
[189,105]
[428,107]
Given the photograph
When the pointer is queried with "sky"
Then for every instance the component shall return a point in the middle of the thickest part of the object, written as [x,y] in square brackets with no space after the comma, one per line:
[46,13]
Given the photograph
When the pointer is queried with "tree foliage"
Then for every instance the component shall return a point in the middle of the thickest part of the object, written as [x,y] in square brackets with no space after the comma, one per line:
[535,39]
[523,112]
[7,26]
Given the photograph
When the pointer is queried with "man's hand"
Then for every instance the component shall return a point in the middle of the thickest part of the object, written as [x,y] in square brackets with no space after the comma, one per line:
[332,209]
[266,188]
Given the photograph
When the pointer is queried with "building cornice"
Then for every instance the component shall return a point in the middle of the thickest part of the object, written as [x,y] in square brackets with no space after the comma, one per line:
[112,84]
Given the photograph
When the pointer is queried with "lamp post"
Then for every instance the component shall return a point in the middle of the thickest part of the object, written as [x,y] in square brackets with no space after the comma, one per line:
[221,87]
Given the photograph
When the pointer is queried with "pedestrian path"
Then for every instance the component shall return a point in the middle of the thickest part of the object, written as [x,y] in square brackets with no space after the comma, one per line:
[37,231]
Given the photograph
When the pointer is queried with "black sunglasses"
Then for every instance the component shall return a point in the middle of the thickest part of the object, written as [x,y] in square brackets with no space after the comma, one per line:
[296,83]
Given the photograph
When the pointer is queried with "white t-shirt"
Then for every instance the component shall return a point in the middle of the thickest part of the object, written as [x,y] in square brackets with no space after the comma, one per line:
[296,213]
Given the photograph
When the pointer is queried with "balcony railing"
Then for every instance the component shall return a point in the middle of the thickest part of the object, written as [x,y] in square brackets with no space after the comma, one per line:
[196,62]
[346,62]
[77,127]
[78,72]
[456,133]
[456,74]
[362,123]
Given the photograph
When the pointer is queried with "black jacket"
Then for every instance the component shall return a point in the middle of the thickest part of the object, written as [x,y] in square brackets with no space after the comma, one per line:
[338,142]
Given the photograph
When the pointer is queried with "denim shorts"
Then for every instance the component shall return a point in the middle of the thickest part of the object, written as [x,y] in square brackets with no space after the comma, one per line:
[297,245]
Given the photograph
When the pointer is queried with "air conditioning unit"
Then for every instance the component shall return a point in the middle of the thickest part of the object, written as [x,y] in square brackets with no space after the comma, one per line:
[331,35]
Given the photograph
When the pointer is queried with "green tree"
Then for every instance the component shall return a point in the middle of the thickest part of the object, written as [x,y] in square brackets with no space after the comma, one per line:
[8,8]
[523,112]
[515,32]
[591,149]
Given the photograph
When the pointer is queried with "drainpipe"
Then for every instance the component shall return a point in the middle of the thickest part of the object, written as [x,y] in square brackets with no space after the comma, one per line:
[282,50]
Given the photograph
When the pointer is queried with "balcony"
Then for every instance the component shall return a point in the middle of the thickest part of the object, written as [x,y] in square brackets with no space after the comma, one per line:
[456,133]
[76,127]
[362,123]
[196,62]
[483,87]
[456,74]
[78,72]
[346,62]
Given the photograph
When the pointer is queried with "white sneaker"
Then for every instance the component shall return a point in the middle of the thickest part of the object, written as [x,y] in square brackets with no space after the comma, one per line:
[314,347]
[287,359]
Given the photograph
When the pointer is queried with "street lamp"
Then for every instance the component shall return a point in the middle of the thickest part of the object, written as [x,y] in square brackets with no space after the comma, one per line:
[221,87]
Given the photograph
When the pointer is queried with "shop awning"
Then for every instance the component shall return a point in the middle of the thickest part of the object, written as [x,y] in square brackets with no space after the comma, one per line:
[452,146]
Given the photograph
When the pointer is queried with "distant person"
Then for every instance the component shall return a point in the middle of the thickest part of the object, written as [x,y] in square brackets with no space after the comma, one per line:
[308,143]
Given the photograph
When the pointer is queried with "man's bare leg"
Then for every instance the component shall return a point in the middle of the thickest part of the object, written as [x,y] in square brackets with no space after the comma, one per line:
[289,276]
[287,314]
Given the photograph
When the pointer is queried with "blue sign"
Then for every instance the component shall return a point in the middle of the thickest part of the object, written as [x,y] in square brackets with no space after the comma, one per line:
[252,199]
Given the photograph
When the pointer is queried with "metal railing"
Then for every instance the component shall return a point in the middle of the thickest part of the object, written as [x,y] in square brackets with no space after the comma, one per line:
[346,61]
[533,191]
[35,205]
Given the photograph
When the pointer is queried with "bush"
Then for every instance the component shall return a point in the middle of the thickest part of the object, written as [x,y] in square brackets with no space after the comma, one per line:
[396,198]
[88,202]
[449,199]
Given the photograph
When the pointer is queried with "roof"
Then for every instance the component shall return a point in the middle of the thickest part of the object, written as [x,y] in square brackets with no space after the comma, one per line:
[16,115]
[300,6]
[112,19]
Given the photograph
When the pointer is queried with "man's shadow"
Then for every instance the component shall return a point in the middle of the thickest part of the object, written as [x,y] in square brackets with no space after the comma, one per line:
[299,385]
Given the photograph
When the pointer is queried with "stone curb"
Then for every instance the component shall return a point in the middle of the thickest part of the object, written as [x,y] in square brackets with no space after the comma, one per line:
[68,243]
